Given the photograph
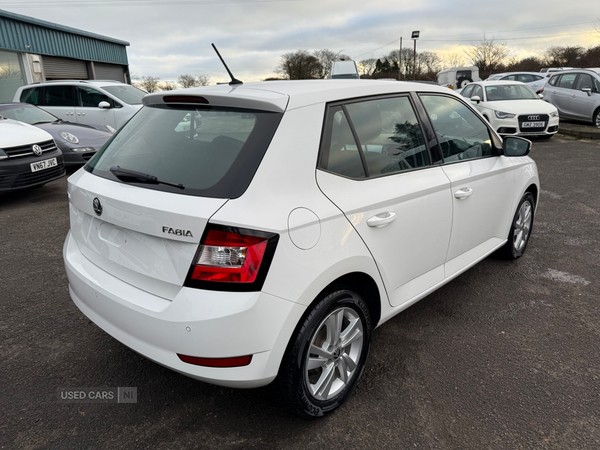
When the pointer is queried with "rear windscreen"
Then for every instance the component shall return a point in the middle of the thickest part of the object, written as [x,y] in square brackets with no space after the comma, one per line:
[211,151]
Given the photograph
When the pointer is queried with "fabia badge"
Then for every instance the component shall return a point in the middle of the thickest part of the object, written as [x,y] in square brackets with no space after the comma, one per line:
[37,150]
[177,231]
[97,205]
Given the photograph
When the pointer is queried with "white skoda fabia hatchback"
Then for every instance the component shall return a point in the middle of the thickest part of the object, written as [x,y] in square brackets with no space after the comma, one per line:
[271,238]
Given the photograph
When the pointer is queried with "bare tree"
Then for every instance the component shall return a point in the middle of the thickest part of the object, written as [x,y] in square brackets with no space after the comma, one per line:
[168,86]
[203,79]
[188,81]
[558,56]
[430,61]
[367,66]
[326,58]
[454,59]
[299,65]
[148,84]
[487,55]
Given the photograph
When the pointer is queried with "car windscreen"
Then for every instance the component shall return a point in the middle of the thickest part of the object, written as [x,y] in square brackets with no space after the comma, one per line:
[126,93]
[211,151]
[27,114]
[509,92]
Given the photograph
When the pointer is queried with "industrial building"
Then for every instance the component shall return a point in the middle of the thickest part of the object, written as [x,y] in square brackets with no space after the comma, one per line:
[33,50]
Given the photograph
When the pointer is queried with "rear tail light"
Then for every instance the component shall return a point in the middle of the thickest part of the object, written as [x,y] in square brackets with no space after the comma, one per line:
[232,259]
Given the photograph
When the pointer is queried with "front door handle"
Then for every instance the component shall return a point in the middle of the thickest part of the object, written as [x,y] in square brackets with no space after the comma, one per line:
[381,220]
[463,193]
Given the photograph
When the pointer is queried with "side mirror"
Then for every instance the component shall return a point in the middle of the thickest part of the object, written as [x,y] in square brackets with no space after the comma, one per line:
[516,146]
[541,95]
[104,105]
[476,99]
[588,91]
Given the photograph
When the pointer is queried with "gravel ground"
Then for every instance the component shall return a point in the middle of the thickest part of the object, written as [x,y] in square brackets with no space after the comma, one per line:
[504,357]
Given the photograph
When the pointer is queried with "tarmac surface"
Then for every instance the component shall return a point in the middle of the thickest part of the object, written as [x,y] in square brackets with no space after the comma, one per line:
[506,356]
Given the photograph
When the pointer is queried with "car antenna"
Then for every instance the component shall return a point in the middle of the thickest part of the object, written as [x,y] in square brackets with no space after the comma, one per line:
[233,79]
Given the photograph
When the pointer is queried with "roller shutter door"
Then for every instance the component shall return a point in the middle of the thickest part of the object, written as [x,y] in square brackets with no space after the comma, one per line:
[64,68]
[109,72]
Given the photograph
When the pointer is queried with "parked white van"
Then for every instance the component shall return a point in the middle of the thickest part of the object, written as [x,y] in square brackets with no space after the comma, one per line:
[344,70]
[457,77]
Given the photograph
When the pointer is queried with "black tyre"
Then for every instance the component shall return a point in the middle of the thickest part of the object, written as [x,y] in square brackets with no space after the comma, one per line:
[520,230]
[596,118]
[462,82]
[327,355]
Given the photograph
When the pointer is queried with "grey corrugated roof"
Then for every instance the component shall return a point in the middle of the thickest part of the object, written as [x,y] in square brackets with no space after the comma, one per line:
[55,26]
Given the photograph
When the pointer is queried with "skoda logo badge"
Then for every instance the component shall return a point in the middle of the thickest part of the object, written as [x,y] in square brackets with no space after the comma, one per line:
[97,205]
[37,150]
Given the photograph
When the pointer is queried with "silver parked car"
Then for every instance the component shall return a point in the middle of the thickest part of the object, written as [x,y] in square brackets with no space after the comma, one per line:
[576,94]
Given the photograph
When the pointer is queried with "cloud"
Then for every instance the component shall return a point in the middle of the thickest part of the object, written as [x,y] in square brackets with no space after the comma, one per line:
[170,40]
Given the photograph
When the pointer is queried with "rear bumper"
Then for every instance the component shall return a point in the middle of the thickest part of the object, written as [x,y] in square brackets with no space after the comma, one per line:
[206,324]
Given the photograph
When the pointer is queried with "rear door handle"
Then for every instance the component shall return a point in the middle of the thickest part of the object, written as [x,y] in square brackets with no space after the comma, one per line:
[381,220]
[463,193]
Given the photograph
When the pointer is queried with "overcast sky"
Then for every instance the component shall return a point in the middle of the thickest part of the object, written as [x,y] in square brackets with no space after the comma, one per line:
[170,38]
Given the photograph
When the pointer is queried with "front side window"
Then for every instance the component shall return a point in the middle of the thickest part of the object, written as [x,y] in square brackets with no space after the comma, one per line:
[510,78]
[553,80]
[597,85]
[478,92]
[59,96]
[91,97]
[390,139]
[461,133]
[215,155]
[567,81]
[466,92]
[584,81]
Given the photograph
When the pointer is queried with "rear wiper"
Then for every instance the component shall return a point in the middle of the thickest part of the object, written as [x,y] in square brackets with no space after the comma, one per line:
[121,173]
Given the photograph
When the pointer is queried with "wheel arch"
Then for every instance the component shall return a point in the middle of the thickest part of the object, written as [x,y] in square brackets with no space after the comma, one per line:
[533,190]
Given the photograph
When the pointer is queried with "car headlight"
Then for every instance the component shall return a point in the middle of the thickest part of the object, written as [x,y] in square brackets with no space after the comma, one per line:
[111,129]
[503,115]
[69,137]
[554,114]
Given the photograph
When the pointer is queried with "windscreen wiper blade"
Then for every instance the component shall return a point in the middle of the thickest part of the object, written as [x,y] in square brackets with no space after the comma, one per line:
[124,174]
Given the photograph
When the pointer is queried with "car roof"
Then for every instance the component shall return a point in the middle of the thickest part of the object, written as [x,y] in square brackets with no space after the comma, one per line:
[519,72]
[95,82]
[286,94]
[595,70]
[498,83]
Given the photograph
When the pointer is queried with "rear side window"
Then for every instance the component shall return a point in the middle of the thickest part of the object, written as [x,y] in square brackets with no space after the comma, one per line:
[567,81]
[59,96]
[390,139]
[526,78]
[211,151]
[31,96]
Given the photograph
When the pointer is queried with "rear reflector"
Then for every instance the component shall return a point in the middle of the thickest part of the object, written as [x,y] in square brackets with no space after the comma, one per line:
[184,99]
[217,362]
